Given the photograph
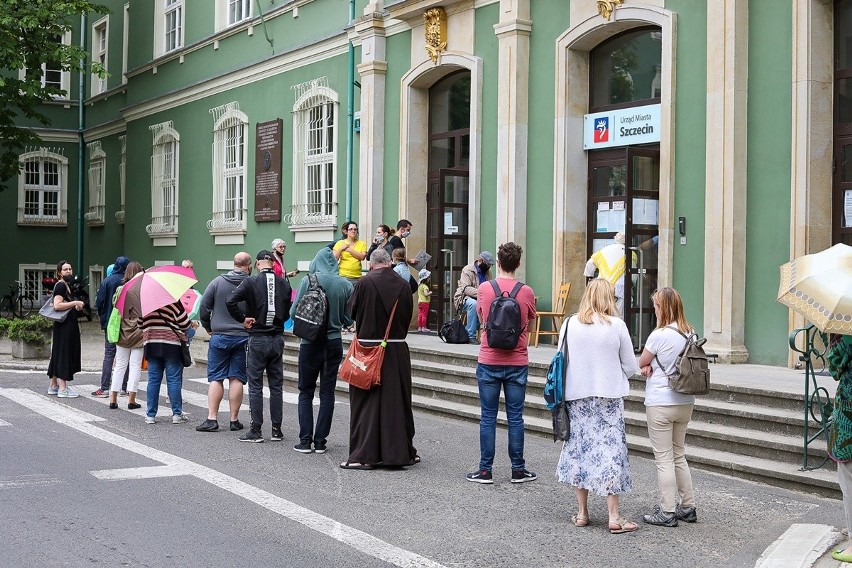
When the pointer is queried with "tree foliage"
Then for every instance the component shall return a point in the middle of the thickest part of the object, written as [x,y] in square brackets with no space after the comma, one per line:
[30,31]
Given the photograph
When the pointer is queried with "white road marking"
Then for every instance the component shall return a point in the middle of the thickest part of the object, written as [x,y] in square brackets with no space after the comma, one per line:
[800,546]
[194,398]
[62,413]
[140,472]
[347,535]
[28,481]
[4,423]
[289,398]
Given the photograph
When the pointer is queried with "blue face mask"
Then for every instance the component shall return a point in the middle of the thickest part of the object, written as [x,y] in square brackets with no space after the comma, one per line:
[405,234]
[380,238]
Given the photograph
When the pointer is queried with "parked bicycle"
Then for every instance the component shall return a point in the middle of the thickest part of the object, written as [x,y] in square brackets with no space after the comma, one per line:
[17,303]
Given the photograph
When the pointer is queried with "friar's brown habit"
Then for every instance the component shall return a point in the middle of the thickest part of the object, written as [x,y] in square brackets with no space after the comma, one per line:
[381,424]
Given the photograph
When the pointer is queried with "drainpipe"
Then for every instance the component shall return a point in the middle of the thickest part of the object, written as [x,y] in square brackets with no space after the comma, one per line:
[81,145]
[350,118]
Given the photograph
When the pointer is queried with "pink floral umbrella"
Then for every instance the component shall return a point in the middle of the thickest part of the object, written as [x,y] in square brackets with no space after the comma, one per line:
[158,286]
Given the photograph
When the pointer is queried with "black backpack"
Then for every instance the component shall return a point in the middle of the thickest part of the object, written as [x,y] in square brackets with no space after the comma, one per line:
[454,331]
[311,318]
[504,325]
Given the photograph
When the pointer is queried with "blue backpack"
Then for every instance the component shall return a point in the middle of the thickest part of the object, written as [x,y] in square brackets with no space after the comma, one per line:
[554,386]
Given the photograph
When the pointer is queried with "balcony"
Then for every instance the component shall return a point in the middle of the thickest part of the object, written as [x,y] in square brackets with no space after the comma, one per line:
[60,219]
[120,216]
[162,227]
[95,216]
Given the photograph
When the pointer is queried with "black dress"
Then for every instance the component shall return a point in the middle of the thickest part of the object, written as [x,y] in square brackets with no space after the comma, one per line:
[65,351]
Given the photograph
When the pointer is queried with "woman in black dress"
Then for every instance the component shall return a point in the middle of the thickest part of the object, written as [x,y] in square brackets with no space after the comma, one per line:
[65,351]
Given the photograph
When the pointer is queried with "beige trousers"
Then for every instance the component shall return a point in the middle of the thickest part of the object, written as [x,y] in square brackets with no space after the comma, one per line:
[667,431]
[844,477]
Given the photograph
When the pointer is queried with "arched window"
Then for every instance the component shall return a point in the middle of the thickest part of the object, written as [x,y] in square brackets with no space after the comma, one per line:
[164,181]
[97,184]
[625,70]
[43,188]
[230,153]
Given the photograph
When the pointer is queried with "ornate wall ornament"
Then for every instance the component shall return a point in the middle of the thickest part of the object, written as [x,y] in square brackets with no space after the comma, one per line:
[607,7]
[436,32]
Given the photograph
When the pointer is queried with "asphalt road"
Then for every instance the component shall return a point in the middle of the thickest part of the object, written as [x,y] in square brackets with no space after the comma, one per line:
[102,488]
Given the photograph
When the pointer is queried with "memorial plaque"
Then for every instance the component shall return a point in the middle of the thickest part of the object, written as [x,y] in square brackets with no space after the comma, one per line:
[267,168]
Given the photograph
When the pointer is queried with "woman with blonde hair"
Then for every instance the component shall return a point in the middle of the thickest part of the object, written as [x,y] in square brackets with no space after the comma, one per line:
[668,411]
[130,346]
[600,361]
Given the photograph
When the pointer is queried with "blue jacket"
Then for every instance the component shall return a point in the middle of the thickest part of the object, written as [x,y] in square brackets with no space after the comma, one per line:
[103,300]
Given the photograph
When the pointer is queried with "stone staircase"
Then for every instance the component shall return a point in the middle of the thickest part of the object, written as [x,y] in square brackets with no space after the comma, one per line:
[747,432]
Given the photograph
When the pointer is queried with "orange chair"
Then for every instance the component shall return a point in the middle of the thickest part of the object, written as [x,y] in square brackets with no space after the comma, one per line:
[560,307]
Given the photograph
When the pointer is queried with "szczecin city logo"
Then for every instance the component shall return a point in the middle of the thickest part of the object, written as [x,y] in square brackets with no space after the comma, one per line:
[602,129]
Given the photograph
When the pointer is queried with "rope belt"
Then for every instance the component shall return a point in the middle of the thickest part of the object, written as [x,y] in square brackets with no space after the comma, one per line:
[380,340]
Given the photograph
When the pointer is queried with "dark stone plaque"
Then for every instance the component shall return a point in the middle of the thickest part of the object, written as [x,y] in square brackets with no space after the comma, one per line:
[267,168]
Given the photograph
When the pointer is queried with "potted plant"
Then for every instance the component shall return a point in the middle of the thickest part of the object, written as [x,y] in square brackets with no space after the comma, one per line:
[5,342]
[30,337]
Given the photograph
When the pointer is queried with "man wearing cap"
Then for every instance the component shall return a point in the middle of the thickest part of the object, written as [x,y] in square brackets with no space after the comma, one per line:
[267,307]
[472,276]
[103,303]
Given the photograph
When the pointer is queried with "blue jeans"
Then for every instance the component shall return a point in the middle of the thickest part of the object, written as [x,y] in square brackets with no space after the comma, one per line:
[472,319]
[317,359]
[514,382]
[174,380]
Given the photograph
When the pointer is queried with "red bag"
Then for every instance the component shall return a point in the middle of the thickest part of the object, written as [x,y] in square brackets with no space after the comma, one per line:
[362,366]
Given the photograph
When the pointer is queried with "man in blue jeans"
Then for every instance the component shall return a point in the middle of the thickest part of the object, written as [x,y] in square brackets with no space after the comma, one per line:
[262,304]
[226,352]
[506,369]
[465,296]
[321,357]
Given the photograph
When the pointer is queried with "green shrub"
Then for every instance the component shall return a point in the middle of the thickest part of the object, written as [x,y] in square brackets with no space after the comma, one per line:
[30,330]
[4,326]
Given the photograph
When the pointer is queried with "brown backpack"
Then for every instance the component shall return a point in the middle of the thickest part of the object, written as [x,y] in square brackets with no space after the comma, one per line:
[692,368]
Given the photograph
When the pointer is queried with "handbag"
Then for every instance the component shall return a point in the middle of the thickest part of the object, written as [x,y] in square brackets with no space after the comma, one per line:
[51,313]
[454,331]
[362,366]
[185,355]
[561,420]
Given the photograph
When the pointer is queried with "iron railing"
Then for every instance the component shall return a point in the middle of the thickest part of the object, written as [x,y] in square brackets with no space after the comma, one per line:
[817,403]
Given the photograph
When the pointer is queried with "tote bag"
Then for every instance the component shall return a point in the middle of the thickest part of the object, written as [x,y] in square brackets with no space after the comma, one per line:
[51,313]
[362,365]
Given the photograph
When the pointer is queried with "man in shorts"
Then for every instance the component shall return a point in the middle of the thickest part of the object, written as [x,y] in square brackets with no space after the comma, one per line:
[226,355]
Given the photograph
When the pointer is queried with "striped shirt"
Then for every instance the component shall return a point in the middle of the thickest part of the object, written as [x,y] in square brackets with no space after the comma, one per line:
[161,326]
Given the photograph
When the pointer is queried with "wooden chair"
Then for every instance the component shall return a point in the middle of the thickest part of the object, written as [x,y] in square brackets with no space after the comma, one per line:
[560,307]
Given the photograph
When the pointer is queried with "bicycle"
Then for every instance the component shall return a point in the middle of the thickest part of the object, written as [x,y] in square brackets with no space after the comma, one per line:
[17,303]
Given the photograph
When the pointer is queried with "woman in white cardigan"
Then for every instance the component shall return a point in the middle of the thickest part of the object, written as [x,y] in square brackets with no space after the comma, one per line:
[600,360]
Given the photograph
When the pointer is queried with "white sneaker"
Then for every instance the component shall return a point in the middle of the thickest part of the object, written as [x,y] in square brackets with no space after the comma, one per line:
[180,418]
[150,420]
[53,391]
[67,393]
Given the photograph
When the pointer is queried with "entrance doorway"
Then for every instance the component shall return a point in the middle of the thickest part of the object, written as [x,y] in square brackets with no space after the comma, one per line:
[448,193]
[624,194]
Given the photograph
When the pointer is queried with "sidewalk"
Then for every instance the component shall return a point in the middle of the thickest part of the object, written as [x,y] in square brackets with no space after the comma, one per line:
[765,377]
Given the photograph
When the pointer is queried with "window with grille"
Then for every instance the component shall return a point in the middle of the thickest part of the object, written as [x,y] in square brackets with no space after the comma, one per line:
[229,170]
[315,158]
[42,188]
[173,25]
[100,41]
[122,179]
[164,181]
[32,278]
[97,172]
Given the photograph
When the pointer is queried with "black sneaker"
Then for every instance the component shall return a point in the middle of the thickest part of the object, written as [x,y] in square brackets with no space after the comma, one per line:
[208,426]
[319,448]
[686,514]
[252,436]
[522,476]
[236,425]
[277,434]
[660,518]
[481,476]
[303,448]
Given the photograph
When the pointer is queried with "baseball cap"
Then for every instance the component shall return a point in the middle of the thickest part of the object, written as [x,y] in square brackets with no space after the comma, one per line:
[265,255]
[423,275]
[487,257]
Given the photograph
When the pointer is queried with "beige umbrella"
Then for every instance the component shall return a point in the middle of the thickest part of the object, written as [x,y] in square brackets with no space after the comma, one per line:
[819,286]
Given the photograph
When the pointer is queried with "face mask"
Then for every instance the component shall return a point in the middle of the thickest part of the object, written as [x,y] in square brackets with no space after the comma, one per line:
[405,234]
[380,238]
[68,278]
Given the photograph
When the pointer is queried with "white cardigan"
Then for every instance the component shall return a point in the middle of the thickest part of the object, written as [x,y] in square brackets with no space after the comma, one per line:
[600,358]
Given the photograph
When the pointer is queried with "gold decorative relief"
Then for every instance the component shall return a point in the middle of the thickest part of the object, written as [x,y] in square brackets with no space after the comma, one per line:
[436,32]
[607,7]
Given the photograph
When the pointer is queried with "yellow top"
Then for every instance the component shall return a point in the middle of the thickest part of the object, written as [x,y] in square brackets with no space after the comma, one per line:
[349,266]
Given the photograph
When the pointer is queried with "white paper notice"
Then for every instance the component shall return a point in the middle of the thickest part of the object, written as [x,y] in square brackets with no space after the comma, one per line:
[645,212]
[448,223]
[603,206]
[847,206]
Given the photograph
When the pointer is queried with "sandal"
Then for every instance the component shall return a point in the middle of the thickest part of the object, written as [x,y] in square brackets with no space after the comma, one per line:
[622,525]
[356,465]
[580,520]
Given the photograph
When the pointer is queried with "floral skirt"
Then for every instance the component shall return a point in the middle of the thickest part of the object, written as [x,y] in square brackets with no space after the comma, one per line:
[595,455]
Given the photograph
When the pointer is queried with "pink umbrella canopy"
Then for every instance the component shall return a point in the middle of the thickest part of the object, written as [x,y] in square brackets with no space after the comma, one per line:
[158,286]
[191,300]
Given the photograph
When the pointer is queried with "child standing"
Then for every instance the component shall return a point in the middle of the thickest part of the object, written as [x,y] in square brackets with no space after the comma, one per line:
[423,293]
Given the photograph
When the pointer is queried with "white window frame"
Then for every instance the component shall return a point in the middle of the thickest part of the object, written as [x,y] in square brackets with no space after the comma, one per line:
[96,277]
[163,10]
[122,179]
[232,12]
[64,77]
[31,276]
[165,186]
[97,185]
[230,172]
[314,198]
[100,53]
[125,43]
[43,156]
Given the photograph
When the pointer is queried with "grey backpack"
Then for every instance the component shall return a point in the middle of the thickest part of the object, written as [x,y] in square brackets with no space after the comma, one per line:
[692,369]
[311,317]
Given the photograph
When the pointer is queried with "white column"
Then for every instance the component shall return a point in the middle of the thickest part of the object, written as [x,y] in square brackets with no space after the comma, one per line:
[372,70]
[513,36]
[726,175]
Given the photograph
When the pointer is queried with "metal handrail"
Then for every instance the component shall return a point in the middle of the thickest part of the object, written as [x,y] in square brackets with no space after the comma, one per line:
[817,405]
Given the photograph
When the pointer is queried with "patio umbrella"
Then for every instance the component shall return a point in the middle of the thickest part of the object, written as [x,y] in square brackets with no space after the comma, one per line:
[158,286]
[819,286]
[191,300]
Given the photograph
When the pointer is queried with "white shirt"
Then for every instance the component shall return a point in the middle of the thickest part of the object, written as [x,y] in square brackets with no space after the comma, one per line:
[667,344]
[600,359]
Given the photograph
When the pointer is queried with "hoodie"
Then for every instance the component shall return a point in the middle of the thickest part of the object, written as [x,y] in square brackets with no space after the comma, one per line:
[214,314]
[103,300]
[337,290]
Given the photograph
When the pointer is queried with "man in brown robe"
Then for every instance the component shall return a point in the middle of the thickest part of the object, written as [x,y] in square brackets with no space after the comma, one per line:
[381,424]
